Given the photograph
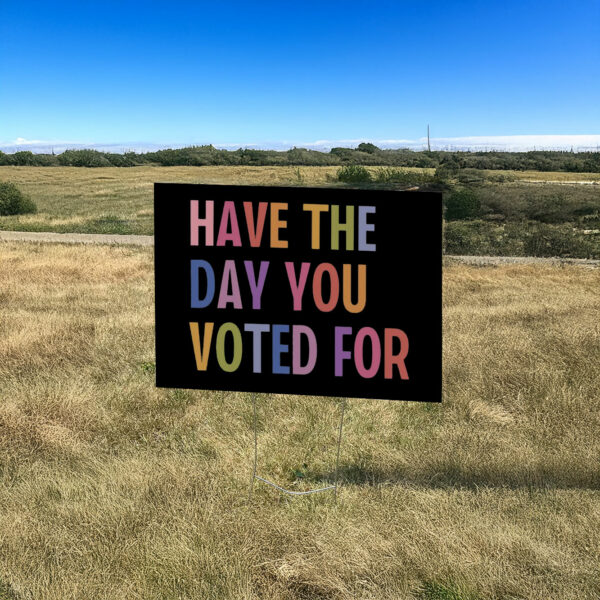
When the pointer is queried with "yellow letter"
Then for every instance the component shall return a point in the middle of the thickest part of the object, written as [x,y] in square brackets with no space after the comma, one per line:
[201,354]
[316,210]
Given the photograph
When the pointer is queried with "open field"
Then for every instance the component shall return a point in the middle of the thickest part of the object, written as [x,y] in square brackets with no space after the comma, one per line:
[119,200]
[552,176]
[112,489]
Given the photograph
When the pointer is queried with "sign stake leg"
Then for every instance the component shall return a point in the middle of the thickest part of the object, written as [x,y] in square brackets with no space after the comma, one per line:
[333,487]
[255,446]
[339,445]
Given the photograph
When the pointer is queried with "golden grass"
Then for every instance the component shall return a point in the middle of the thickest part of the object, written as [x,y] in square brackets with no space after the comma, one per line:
[560,176]
[110,488]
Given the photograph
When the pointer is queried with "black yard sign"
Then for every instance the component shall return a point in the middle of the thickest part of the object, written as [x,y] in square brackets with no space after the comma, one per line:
[320,291]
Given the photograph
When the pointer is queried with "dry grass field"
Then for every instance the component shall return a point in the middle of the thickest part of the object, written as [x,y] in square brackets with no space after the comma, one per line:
[113,489]
[119,200]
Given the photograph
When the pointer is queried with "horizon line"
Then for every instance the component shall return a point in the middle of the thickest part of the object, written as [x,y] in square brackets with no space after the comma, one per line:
[503,143]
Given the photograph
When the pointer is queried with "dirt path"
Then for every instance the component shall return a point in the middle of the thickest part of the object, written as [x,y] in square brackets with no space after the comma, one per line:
[559,182]
[482,261]
[76,238]
[148,240]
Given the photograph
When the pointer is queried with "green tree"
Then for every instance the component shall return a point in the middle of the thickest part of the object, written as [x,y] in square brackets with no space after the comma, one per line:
[368,148]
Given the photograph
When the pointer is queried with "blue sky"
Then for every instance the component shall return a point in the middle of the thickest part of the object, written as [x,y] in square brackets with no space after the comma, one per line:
[258,72]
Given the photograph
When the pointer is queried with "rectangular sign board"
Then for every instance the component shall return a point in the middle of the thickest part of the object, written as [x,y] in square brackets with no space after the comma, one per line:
[317,291]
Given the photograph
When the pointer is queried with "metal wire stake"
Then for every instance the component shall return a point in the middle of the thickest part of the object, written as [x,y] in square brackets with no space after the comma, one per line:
[255,448]
[290,492]
[339,445]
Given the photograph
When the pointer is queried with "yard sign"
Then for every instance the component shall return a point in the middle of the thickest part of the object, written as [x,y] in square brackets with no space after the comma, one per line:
[319,291]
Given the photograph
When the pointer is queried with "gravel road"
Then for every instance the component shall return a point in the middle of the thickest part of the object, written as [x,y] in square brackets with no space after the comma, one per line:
[148,240]
[76,238]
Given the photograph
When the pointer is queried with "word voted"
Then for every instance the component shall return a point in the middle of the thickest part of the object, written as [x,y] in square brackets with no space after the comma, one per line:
[355,225]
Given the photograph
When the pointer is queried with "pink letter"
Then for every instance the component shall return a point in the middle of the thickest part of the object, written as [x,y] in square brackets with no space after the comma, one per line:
[208,223]
[297,332]
[229,217]
[359,354]
[229,276]
[297,287]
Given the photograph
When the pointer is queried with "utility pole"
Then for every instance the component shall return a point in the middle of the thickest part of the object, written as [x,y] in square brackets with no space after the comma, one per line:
[428,144]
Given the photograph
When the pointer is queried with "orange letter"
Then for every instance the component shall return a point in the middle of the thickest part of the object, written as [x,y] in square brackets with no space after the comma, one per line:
[255,233]
[277,224]
[362,288]
[318,287]
[201,354]
[398,359]
[316,210]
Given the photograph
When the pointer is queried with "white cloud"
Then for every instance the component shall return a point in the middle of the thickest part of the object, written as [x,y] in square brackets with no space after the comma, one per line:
[511,143]
[21,143]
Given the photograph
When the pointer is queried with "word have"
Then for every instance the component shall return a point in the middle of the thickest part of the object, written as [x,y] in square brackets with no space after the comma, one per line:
[203,289]
[229,228]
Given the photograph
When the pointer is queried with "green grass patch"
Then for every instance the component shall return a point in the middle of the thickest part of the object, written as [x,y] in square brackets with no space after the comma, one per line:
[432,590]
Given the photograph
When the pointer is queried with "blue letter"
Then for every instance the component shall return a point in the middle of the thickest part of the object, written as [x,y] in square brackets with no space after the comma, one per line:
[278,348]
[210,284]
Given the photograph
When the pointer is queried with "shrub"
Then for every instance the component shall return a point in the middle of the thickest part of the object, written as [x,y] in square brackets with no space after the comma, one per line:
[518,239]
[13,201]
[500,177]
[354,174]
[462,204]
[83,158]
[24,158]
[390,175]
[477,238]
[366,147]
[444,174]
[547,240]
[470,176]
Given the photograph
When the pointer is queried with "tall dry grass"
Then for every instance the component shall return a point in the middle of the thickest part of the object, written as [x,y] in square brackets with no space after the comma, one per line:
[112,489]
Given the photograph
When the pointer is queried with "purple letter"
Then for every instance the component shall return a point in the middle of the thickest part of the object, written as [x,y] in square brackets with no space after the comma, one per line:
[340,353]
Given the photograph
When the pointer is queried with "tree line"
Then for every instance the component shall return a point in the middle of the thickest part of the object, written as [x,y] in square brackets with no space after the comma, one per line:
[364,154]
